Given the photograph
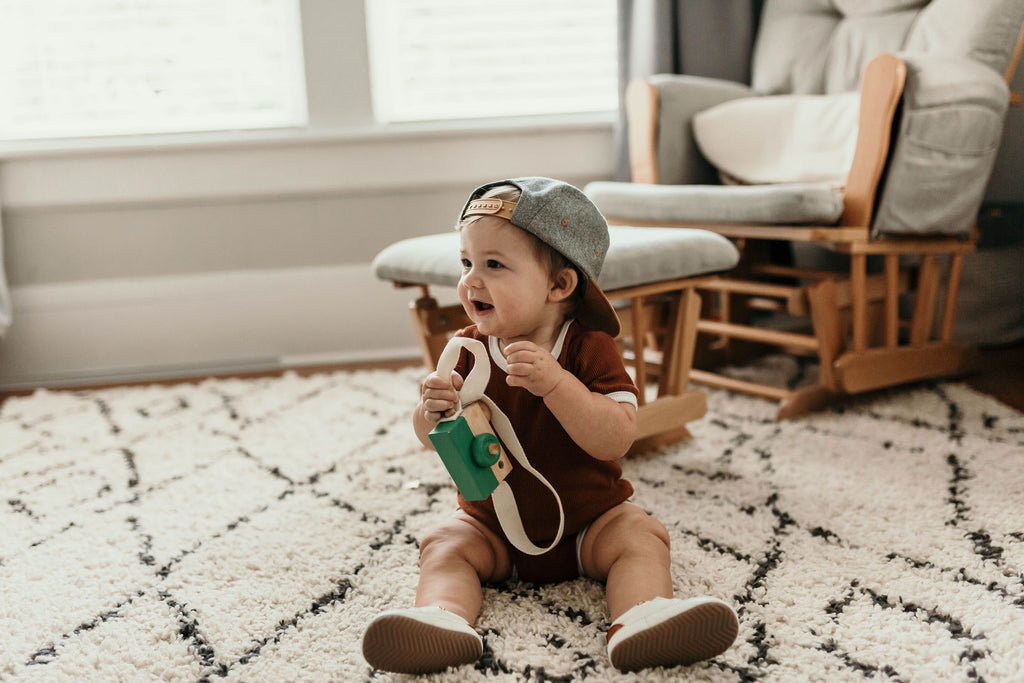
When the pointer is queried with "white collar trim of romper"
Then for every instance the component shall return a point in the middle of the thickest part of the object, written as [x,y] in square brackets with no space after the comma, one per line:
[502,363]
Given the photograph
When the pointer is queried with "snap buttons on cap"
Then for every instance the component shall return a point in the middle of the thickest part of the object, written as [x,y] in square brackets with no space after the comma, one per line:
[484,205]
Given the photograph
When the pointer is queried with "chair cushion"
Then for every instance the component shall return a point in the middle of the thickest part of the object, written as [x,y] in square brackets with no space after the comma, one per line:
[781,138]
[983,31]
[822,46]
[949,132]
[680,97]
[807,204]
[636,256]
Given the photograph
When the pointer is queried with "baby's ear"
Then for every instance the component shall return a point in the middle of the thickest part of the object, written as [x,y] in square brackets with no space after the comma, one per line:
[563,285]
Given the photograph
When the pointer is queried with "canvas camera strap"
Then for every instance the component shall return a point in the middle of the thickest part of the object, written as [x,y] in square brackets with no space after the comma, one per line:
[473,388]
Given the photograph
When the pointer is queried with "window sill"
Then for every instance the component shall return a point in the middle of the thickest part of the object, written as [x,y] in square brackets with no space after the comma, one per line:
[232,165]
[206,140]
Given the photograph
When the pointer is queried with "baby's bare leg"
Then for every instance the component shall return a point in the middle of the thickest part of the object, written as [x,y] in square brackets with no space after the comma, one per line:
[628,550]
[455,558]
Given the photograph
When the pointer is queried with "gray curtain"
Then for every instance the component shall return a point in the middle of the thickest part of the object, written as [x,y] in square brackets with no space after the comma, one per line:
[712,38]
[5,296]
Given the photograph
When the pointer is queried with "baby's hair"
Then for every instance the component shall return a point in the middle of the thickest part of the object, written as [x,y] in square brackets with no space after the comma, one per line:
[545,252]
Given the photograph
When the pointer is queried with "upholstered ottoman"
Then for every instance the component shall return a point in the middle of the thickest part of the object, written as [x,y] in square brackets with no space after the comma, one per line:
[650,274]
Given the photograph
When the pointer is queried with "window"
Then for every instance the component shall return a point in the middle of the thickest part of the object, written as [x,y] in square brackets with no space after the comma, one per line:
[453,59]
[102,67]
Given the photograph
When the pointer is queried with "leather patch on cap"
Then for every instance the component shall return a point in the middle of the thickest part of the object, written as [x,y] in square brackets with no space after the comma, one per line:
[490,207]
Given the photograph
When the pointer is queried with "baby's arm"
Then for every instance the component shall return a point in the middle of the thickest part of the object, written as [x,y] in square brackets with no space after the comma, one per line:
[437,396]
[601,426]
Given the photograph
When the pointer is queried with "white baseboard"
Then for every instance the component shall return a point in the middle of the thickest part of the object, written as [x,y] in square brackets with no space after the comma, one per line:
[150,328]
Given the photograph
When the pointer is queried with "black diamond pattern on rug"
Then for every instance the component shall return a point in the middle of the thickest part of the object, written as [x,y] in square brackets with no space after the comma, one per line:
[249,529]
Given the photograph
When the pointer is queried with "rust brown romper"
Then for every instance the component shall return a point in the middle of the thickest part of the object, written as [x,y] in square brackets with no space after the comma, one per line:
[587,486]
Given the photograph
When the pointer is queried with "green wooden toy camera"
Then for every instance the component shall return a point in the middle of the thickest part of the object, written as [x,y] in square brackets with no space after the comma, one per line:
[475,457]
[471,452]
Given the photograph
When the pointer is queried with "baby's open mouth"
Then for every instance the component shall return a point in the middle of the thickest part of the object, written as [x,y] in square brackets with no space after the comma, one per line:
[482,306]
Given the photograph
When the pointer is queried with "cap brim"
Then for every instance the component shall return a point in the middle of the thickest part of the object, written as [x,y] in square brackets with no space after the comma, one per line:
[596,312]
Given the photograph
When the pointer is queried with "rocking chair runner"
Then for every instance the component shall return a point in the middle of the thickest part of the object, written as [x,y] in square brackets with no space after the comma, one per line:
[857,332]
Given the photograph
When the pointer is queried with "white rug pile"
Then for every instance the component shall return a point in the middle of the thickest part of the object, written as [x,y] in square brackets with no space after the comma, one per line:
[248,529]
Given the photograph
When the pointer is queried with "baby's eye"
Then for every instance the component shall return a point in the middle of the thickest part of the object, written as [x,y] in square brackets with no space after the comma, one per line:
[491,263]
[466,263]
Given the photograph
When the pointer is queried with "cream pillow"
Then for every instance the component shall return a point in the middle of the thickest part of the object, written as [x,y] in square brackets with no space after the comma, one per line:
[781,138]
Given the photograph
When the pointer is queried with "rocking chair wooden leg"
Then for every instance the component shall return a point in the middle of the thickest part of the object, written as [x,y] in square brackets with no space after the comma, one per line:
[924,306]
[828,329]
[956,265]
[892,300]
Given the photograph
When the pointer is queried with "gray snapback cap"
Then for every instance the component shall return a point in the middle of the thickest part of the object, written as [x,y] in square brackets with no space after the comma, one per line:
[564,218]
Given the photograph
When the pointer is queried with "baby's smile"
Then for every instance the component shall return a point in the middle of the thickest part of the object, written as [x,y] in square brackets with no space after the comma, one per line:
[482,306]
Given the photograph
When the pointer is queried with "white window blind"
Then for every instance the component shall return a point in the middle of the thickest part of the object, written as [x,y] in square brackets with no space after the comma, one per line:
[450,59]
[72,68]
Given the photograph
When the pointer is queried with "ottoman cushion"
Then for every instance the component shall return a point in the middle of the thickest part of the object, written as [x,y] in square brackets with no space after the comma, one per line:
[803,203]
[636,256]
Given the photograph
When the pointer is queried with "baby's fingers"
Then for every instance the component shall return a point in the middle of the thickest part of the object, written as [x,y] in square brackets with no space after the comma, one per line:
[436,381]
[524,360]
[521,347]
[519,369]
[434,416]
[439,395]
[437,404]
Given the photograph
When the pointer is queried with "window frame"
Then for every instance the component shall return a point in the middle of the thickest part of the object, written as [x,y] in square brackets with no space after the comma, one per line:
[384,20]
[340,130]
[278,69]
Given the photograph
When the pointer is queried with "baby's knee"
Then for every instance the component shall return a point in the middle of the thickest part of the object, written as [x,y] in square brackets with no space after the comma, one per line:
[635,528]
[458,542]
[642,524]
[441,540]
[624,533]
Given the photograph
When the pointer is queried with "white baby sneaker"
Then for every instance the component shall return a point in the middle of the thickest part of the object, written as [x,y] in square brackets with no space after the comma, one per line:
[670,632]
[420,640]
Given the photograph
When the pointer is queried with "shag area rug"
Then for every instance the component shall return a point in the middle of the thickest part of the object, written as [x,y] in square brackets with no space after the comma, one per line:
[248,530]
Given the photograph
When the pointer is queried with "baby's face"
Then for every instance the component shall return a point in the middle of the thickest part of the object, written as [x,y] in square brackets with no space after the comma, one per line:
[504,286]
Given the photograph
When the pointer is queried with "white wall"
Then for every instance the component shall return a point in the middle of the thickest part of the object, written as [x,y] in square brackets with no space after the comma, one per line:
[159,256]
[157,261]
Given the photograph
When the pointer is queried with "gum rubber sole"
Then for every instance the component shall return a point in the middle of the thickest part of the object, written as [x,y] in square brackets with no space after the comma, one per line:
[700,633]
[401,644]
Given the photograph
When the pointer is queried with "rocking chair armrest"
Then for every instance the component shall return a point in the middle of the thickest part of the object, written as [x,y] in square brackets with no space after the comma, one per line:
[659,112]
[880,92]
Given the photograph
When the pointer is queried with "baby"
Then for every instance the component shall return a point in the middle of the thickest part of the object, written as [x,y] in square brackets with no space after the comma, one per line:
[532,249]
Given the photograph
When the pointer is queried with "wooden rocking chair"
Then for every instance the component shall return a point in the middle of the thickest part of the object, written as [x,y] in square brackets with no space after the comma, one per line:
[857,331]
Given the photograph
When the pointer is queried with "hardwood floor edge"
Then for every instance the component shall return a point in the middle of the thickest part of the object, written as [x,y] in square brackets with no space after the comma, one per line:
[302,371]
[999,375]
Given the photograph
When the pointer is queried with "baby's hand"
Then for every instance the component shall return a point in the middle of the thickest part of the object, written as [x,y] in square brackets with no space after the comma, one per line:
[438,396]
[533,368]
